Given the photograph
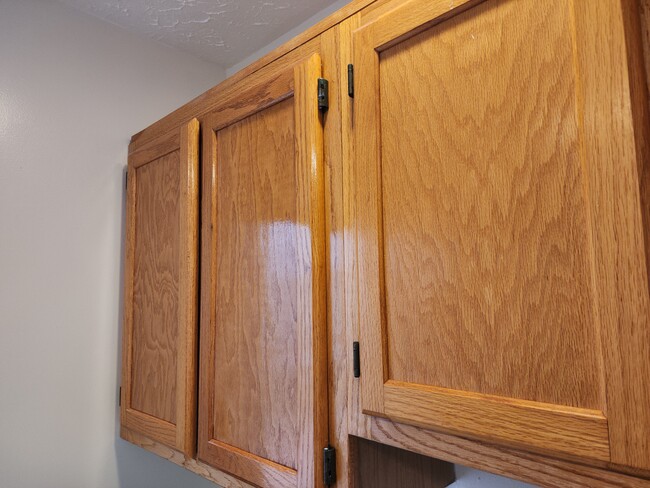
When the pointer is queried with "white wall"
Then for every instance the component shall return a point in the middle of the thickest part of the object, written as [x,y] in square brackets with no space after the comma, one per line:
[72,91]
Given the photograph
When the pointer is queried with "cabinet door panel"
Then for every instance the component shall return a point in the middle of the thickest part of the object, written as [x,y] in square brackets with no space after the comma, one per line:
[257,271]
[480,300]
[161,309]
[263,407]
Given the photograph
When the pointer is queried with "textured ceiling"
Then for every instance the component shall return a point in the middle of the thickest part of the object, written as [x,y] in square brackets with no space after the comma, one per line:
[220,31]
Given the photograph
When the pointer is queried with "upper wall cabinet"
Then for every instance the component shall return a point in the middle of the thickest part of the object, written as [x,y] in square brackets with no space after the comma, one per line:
[263,359]
[502,273]
[160,294]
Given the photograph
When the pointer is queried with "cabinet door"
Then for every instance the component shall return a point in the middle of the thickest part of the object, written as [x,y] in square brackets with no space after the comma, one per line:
[502,276]
[159,353]
[263,384]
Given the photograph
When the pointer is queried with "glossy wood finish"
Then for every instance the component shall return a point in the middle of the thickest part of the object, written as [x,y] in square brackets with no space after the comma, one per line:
[381,466]
[160,319]
[263,407]
[478,232]
[488,257]
[256,293]
[615,150]
[265,85]
[155,307]
[506,461]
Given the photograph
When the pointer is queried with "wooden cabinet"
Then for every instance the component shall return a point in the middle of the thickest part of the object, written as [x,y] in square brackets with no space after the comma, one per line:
[472,210]
[503,288]
[158,394]
[263,368]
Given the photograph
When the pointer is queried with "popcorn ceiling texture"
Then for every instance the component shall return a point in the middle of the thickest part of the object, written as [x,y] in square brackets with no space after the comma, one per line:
[220,31]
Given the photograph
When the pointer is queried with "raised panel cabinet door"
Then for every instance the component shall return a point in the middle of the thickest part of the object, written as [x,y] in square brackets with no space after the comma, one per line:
[502,273]
[263,367]
[160,348]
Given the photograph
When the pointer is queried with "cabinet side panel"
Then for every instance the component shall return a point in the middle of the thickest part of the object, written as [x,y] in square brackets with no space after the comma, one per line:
[255,403]
[488,277]
[155,289]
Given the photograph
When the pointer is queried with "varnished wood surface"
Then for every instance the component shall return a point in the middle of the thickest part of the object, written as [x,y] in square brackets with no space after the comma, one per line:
[540,427]
[153,427]
[333,67]
[188,307]
[160,295]
[490,237]
[263,409]
[155,303]
[521,465]
[381,466]
[256,235]
[528,467]
[313,404]
[613,160]
[523,300]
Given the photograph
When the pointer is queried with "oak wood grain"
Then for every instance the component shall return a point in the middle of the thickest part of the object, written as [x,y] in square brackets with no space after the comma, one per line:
[491,238]
[620,270]
[524,299]
[333,67]
[541,427]
[152,427]
[518,464]
[313,405]
[188,306]
[256,289]
[160,294]
[263,409]
[155,304]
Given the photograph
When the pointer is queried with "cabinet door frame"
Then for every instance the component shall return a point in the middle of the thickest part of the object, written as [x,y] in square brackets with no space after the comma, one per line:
[611,169]
[182,434]
[299,82]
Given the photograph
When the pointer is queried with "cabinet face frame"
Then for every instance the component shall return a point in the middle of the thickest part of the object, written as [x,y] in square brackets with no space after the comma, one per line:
[299,82]
[180,435]
[610,170]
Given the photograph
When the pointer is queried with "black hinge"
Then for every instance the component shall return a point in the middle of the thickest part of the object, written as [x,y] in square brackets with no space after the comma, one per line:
[356,360]
[329,466]
[126,179]
[119,399]
[323,95]
[351,80]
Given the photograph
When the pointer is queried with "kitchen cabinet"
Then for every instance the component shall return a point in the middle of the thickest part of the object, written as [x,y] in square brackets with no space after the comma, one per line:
[263,363]
[158,393]
[501,188]
[465,225]
[503,286]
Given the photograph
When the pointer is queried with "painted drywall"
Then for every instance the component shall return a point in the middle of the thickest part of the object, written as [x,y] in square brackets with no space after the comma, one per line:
[72,91]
